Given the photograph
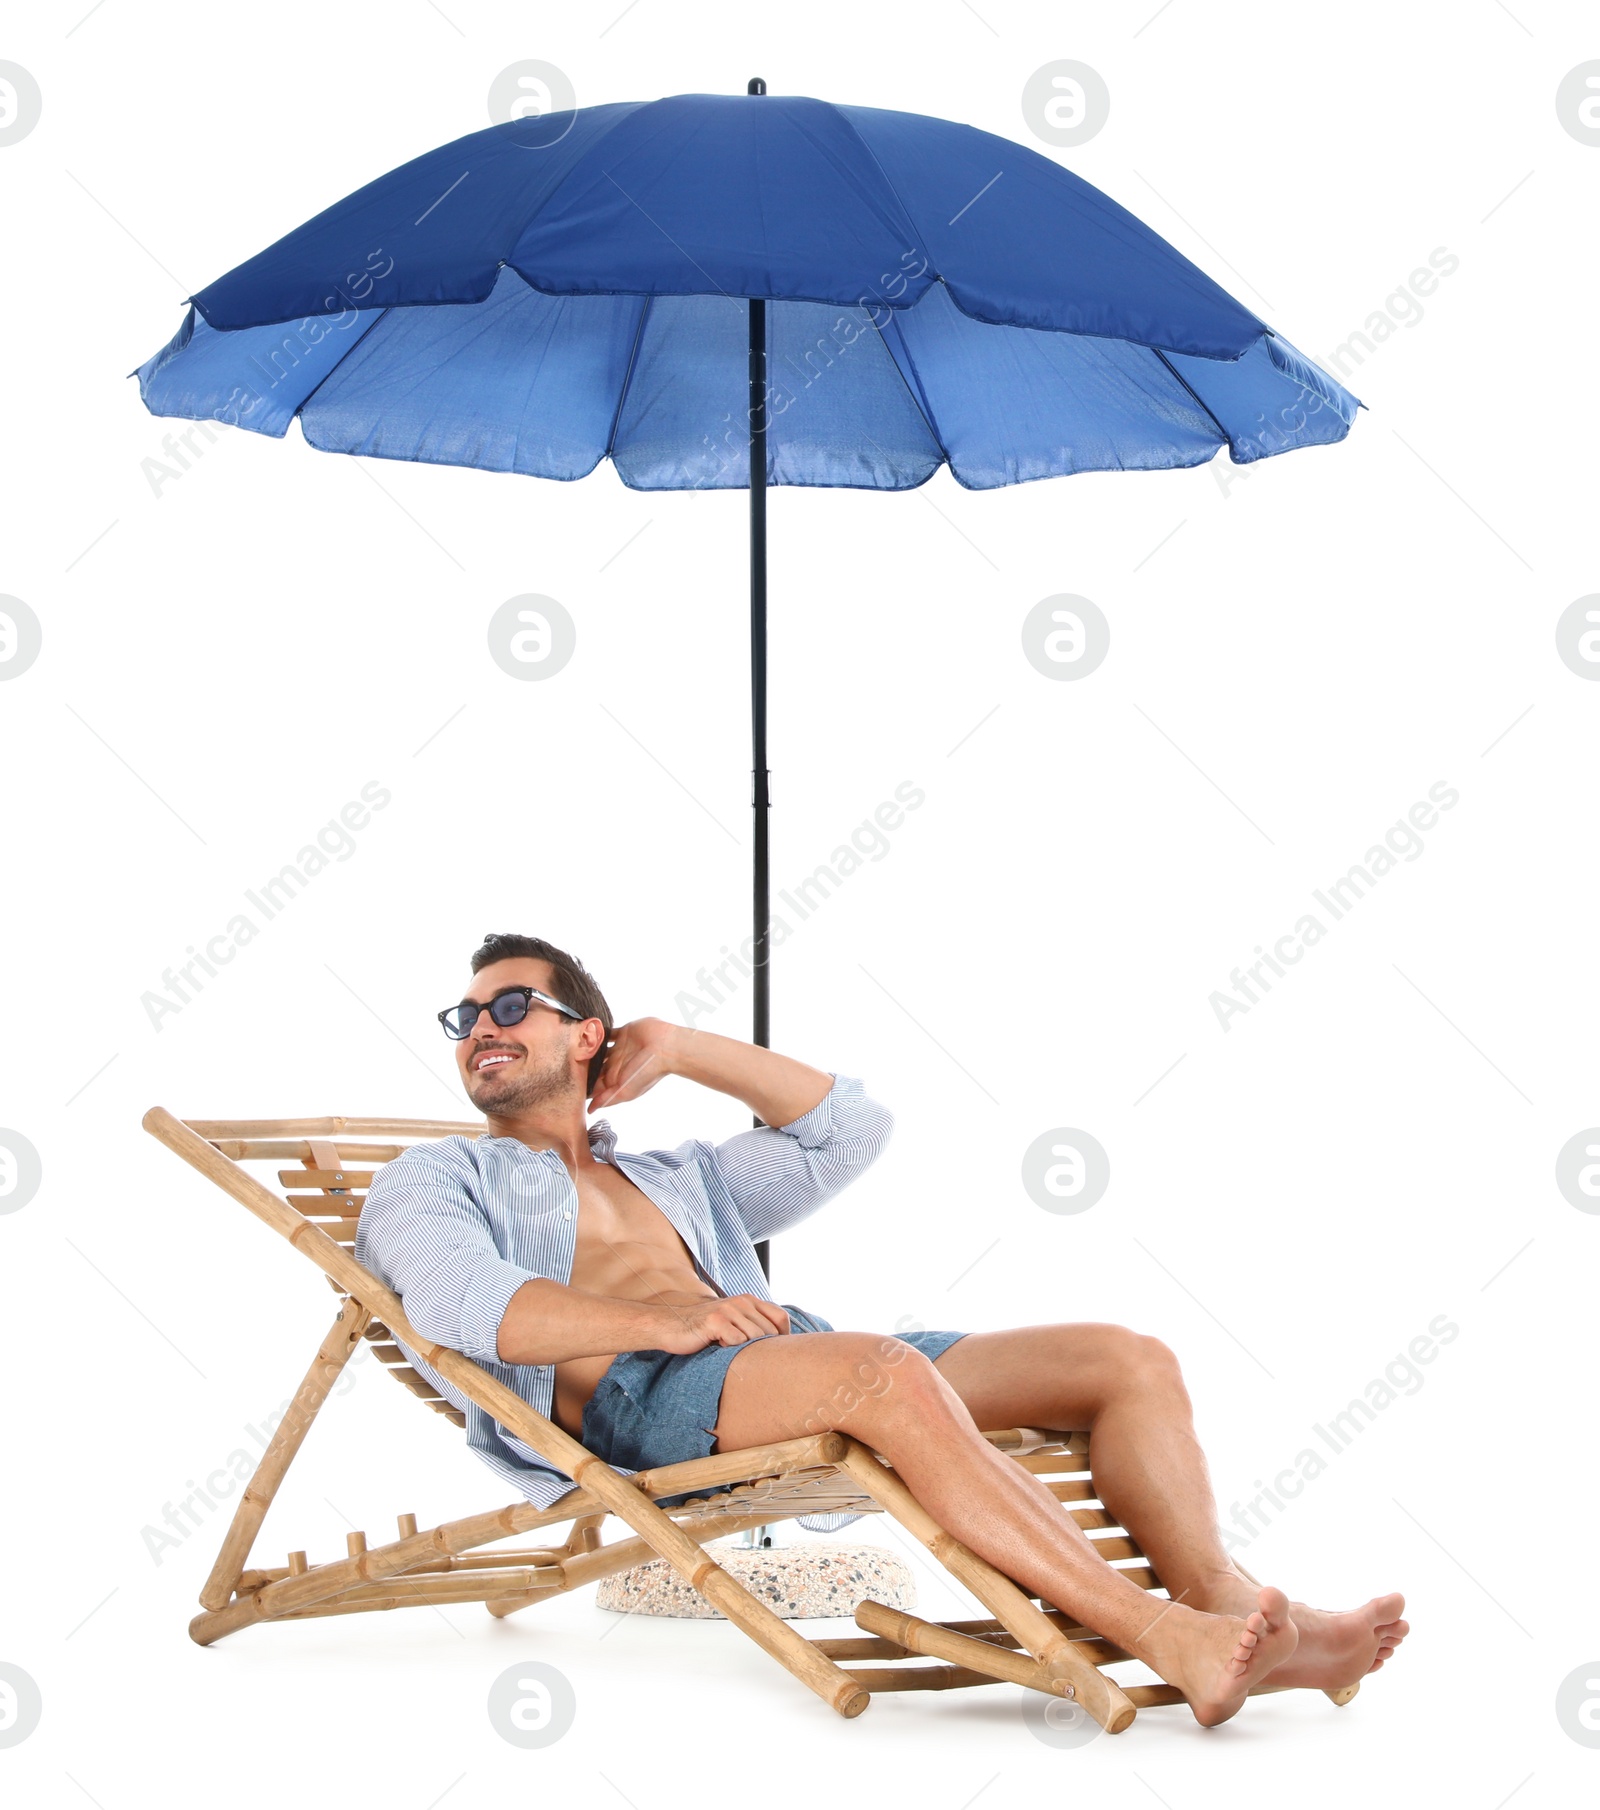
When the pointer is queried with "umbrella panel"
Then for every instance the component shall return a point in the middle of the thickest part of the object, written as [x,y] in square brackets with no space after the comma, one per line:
[859,397]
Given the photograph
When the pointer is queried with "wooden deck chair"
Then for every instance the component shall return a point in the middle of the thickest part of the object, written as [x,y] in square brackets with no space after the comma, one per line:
[1023,1641]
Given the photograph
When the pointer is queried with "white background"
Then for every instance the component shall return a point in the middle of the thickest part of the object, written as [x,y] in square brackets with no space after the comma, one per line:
[1296,658]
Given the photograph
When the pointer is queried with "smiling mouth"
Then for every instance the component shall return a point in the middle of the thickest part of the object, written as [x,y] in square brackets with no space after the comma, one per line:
[492,1059]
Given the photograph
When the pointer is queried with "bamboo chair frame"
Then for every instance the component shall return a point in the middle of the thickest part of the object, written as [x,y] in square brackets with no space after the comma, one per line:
[1022,1641]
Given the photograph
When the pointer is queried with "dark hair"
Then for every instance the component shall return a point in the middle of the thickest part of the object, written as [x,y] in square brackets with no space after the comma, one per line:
[574,984]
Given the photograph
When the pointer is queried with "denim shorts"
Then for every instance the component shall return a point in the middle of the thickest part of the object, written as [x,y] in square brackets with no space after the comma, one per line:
[660,1407]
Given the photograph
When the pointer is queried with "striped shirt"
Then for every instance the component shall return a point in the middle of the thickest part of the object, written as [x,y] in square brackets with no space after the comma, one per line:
[455,1227]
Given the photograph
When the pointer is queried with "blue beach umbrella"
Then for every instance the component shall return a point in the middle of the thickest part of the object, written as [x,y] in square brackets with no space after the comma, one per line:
[721,291]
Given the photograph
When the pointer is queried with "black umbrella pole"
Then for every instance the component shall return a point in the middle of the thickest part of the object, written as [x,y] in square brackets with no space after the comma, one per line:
[760,778]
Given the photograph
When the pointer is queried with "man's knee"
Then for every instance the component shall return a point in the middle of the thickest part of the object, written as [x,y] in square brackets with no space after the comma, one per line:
[878,1363]
[877,1372]
[1122,1358]
[1147,1358]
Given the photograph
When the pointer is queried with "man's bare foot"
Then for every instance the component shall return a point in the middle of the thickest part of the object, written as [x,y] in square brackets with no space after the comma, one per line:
[1336,1648]
[1216,1660]
[1339,1649]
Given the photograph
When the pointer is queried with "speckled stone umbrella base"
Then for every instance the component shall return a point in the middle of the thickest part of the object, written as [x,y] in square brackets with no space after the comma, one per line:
[812,1579]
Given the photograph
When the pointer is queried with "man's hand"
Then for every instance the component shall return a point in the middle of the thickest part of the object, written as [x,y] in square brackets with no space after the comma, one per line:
[640,1054]
[724,1320]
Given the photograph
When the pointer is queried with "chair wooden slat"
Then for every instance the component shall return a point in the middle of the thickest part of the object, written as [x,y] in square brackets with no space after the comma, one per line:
[1047,1464]
[260,1150]
[409,1131]
[1093,1517]
[1070,1489]
[342,1231]
[418,1385]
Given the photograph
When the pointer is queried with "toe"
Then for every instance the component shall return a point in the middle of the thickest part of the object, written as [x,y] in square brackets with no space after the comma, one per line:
[1274,1604]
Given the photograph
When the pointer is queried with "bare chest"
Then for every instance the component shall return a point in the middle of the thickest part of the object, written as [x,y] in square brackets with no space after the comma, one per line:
[626,1246]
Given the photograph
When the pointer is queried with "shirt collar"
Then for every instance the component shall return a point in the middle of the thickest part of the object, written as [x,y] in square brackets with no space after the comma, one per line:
[602,1140]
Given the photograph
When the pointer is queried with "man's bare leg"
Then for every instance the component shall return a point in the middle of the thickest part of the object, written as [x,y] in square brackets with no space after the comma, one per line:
[1128,1391]
[891,1397]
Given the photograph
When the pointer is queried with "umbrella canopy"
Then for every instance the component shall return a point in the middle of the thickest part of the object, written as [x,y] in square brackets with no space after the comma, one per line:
[545,294]
[719,291]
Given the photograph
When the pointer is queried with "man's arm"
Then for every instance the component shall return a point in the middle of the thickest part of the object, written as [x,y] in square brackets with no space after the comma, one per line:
[428,1239]
[821,1129]
[778,1175]
[547,1322]
[424,1234]
[777,1089]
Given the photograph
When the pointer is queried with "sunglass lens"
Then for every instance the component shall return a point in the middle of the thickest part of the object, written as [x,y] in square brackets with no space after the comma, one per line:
[509,1008]
[459,1020]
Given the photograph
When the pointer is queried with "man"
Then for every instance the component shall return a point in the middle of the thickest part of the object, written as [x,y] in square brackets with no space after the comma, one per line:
[621,1297]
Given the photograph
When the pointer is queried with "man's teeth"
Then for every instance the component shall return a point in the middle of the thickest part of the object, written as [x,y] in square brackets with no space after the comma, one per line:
[491,1062]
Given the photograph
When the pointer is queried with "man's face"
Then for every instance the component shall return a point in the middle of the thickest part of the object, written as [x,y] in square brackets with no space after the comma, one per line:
[510,1068]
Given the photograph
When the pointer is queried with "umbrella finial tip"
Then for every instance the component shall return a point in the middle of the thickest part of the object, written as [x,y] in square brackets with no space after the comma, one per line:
[756,86]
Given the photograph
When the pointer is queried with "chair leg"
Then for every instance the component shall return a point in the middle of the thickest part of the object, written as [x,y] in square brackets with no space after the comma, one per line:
[1102,1697]
[584,1535]
[332,1356]
[915,1635]
[723,1590]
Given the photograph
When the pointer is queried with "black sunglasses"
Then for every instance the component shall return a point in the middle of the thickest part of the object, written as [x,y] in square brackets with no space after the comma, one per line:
[509,1006]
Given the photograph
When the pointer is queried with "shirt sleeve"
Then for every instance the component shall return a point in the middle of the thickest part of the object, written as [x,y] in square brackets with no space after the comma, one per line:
[778,1175]
[423,1234]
